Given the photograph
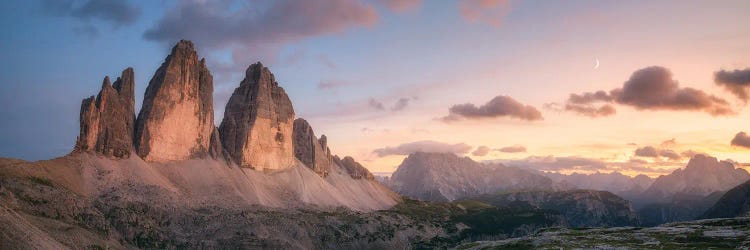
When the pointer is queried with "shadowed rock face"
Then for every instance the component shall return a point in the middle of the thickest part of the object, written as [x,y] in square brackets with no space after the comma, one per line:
[736,202]
[177,118]
[258,121]
[309,150]
[353,168]
[107,121]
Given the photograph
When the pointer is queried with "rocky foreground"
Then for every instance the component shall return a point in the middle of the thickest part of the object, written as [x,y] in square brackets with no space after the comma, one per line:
[92,202]
[731,233]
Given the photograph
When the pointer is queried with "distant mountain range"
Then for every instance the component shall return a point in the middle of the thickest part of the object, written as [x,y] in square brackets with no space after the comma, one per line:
[682,195]
[580,208]
[447,177]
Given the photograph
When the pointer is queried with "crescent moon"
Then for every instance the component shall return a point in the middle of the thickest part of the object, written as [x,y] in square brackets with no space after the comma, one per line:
[597,63]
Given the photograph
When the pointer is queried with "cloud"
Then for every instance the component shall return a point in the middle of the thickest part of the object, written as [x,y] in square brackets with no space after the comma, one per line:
[401,5]
[653,152]
[591,111]
[481,151]
[513,149]
[583,164]
[590,97]
[691,153]
[736,81]
[491,12]
[375,104]
[423,146]
[741,139]
[500,106]
[669,143]
[650,88]
[256,26]
[400,104]
[551,163]
[117,13]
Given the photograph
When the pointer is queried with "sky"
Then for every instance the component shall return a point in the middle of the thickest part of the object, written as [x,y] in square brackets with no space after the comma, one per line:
[568,86]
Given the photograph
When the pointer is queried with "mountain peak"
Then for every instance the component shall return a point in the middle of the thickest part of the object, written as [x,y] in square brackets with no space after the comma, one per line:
[258,122]
[183,45]
[702,176]
[107,120]
[180,90]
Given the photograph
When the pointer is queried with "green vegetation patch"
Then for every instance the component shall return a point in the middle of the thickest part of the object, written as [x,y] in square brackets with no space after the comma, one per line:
[41,181]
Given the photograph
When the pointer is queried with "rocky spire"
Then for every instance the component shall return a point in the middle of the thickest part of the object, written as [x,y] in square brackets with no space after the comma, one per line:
[107,120]
[177,118]
[309,150]
[257,128]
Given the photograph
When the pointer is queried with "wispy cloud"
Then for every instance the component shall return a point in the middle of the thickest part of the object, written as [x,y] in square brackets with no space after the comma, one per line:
[423,146]
[491,12]
[117,13]
[256,28]
[401,5]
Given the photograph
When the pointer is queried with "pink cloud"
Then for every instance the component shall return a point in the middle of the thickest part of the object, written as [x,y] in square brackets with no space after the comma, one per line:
[401,5]
[491,12]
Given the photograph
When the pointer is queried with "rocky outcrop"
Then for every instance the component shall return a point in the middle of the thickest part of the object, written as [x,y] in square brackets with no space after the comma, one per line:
[177,117]
[353,168]
[107,120]
[311,151]
[258,121]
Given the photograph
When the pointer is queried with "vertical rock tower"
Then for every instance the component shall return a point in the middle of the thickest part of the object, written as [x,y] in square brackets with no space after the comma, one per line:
[177,118]
[257,127]
[309,150]
[107,120]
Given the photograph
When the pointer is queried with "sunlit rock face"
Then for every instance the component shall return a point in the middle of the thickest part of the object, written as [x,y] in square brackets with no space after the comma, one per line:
[258,121]
[702,176]
[177,118]
[309,150]
[107,120]
[353,168]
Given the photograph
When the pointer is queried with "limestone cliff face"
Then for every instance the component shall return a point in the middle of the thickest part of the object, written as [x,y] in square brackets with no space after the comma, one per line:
[107,120]
[309,150]
[353,168]
[258,121]
[177,118]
